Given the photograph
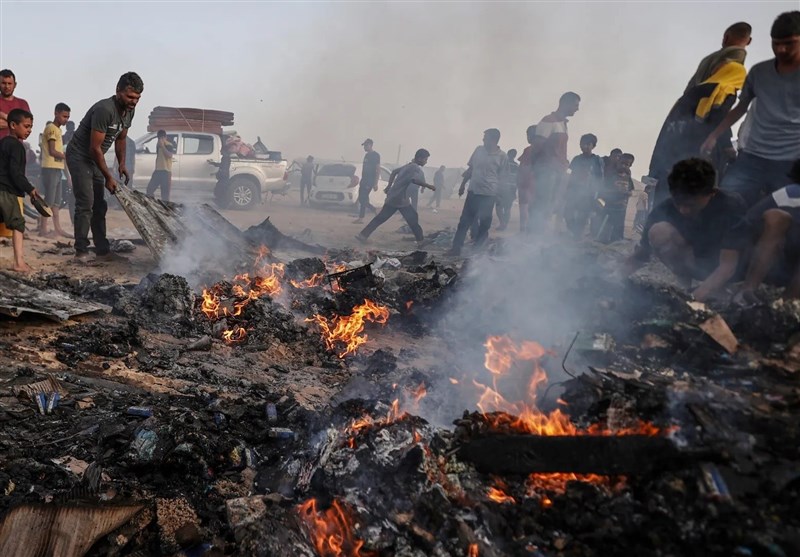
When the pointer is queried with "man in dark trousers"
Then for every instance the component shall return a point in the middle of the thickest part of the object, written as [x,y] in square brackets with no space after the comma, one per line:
[398,197]
[370,171]
[106,123]
[487,167]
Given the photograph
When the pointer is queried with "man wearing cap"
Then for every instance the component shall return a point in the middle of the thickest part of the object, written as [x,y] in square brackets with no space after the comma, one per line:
[487,167]
[370,171]
[398,197]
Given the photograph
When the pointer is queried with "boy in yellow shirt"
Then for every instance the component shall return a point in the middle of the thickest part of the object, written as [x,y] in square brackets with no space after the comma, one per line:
[52,148]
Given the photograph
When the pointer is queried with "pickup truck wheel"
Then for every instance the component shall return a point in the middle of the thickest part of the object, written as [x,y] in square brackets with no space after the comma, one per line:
[243,193]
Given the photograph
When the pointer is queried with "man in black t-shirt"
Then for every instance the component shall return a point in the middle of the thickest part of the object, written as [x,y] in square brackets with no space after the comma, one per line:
[370,171]
[774,224]
[106,123]
[695,232]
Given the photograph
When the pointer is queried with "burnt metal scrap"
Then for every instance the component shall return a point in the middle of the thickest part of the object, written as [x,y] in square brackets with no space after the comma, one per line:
[18,297]
[274,445]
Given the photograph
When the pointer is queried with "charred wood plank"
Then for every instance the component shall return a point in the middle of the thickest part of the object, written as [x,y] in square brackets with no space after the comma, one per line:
[580,454]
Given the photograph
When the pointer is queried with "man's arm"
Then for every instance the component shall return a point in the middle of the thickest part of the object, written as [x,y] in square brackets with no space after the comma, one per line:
[3,120]
[16,167]
[423,184]
[730,119]
[96,154]
[728,260]
[392,176]
[120,149]
[466,177]
[377,173]
[55,153]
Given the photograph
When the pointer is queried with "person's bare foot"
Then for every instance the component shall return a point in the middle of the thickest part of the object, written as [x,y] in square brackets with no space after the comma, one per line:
[65,234]
[358,221]
[49,234]
[22,268]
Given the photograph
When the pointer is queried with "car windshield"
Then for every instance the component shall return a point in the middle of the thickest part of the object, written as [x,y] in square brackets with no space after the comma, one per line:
[337,170]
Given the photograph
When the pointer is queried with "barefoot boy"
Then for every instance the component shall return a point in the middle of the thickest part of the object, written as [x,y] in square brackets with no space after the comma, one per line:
[13,183]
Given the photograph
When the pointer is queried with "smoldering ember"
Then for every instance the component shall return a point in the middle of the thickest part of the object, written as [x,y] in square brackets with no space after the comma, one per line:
[215,351]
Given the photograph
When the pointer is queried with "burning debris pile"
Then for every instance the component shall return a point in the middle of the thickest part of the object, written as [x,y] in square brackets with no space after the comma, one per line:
[278,412]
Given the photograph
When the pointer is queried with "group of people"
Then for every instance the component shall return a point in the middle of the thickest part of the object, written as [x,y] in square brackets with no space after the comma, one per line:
[717,212]
[735,216]
[82,157]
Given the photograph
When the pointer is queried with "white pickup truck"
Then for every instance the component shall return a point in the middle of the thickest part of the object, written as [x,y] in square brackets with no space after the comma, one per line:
[194,170]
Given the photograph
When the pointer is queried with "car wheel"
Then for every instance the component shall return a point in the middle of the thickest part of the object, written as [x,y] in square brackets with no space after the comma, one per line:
[243,193]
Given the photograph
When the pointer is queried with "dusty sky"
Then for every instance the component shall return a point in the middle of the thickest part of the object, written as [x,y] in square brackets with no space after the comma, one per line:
[318,78]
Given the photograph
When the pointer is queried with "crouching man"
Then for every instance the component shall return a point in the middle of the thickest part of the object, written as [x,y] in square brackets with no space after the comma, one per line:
[774,224]
[695,233]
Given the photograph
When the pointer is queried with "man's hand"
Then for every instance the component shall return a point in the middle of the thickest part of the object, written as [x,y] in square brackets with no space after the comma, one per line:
[375,187]
[701,293]
[34,195]
[123,172]
[708,145]
[111,184]
[461,191]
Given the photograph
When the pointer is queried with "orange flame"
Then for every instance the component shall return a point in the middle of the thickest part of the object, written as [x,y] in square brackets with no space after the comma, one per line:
[537,485]
[499,496]
[235,335]
[503,354]
[472,551]
[331,531]
[316,279]
[347,329]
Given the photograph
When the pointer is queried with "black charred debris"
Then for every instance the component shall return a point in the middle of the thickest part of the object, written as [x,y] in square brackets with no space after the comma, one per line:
[224,445]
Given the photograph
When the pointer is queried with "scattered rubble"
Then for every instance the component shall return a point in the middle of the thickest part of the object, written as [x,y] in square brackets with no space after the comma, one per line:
[677,433]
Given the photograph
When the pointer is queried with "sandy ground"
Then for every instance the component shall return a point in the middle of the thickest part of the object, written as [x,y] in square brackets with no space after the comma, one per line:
[332,228]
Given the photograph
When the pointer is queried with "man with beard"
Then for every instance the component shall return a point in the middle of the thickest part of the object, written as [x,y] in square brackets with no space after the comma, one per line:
[8,102]
[106,123]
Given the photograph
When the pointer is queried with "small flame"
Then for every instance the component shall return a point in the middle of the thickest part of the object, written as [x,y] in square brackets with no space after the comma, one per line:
[472,551]
[454,381]
[331,531]
[316,279]
[235,335]
[499,496]
[409,304]
[538,485]
[347,330]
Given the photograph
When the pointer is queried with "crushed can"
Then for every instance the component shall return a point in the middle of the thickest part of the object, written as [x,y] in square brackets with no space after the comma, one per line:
[281,433]
[52,402]
[41,403]
[272,412]
[141,411]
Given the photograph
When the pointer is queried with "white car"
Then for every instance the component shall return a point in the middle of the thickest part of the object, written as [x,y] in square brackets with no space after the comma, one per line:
[336,184]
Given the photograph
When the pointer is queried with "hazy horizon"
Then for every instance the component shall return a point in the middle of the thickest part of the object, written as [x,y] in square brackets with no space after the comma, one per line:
[319,78]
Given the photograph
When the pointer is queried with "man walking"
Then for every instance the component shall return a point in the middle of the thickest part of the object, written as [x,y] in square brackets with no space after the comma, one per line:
[487,167]
[370,171]
[162,175]
[106,122]
[549,158]
[398,197]
[8,102]
[773,139]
